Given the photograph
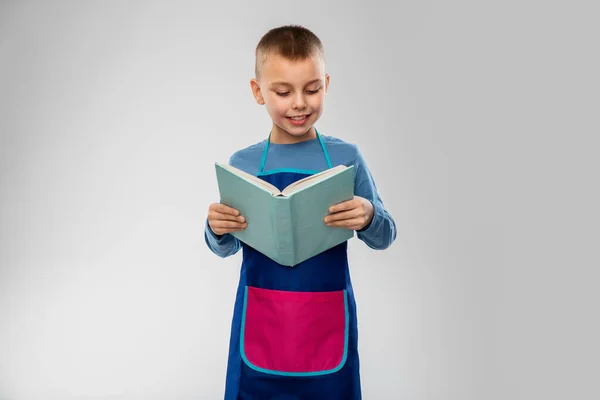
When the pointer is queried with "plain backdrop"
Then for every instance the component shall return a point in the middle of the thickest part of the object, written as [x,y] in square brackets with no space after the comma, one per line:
[477,120]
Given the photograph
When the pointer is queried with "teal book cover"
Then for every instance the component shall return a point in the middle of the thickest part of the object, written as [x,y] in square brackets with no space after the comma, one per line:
[287,226]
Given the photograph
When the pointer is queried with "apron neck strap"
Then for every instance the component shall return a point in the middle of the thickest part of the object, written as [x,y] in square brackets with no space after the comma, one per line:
[266,150]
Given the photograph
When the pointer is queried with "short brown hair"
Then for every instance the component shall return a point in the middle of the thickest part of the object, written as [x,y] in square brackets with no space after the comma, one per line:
[293,42]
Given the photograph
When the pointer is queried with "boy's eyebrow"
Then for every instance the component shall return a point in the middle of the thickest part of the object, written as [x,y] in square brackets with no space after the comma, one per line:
[287,84]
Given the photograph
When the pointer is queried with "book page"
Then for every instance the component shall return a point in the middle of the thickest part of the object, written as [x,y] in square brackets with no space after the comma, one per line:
[252,178]
[309,180]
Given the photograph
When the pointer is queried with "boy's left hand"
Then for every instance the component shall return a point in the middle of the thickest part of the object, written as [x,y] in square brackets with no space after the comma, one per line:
[352,214]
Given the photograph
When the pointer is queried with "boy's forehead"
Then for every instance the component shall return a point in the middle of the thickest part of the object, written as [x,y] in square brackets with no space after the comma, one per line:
[279,69]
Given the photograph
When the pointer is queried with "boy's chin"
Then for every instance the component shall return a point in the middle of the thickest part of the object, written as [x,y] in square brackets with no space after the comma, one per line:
[299,131]
[295,132]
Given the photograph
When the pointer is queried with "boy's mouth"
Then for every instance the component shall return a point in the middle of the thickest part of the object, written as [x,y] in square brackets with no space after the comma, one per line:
[298,120]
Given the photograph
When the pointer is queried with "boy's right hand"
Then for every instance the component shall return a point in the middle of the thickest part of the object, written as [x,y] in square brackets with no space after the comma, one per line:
[223,219]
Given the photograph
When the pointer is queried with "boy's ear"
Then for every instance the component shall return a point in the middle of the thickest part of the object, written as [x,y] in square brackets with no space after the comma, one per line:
[256,92]
[326,83]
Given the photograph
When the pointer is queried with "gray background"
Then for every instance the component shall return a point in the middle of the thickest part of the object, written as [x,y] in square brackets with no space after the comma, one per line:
[476,119]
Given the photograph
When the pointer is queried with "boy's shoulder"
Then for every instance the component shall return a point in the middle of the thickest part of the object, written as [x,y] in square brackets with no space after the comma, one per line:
[338,142]
[250,151]
[340,150]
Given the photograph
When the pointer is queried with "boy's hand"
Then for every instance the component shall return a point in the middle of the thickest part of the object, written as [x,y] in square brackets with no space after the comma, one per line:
[223,219]
[352,214]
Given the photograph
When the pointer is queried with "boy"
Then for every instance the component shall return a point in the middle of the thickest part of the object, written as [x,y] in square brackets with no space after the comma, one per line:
[294,330]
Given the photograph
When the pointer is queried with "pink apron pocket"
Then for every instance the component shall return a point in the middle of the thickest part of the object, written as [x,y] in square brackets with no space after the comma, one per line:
[294,333]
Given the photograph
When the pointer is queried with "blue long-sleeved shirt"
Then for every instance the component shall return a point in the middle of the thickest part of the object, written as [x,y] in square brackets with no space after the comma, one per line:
[308,155]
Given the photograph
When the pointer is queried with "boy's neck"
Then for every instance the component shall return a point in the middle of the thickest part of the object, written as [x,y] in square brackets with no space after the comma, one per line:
[279,136]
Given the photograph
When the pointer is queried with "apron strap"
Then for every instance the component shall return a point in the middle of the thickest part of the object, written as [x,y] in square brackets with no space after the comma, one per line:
[264,156]
[324,150]
[266,150]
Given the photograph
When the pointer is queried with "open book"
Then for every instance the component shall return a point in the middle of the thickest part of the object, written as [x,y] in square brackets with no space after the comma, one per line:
[287,225]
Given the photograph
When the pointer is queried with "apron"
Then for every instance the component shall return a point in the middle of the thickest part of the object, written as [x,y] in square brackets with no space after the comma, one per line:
[294,331]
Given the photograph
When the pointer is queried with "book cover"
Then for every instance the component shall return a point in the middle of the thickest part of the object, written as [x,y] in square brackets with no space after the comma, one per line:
[287,226]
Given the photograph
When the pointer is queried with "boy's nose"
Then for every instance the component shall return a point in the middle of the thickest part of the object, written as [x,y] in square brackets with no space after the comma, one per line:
[299,103]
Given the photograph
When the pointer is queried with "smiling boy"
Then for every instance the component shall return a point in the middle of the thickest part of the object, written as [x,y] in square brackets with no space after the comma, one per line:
[294,332]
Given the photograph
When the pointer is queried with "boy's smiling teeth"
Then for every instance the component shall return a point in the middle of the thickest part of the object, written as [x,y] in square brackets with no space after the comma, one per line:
[298,120]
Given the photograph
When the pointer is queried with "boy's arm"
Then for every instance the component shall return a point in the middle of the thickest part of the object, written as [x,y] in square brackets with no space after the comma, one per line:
[223,245]
[381,231]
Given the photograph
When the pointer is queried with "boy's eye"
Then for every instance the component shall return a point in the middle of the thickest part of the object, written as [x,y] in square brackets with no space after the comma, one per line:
[284,94]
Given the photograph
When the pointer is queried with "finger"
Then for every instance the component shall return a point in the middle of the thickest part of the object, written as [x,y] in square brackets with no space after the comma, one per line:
[342,215]
[353,223]
[221,232]
[217,216]
[224,209]
[345,205]
[224,225]
[228,224]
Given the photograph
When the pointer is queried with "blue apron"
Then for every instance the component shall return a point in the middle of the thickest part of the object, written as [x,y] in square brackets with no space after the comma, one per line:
[294,332]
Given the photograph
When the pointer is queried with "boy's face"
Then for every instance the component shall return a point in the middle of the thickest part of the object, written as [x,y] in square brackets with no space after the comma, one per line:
[293,93]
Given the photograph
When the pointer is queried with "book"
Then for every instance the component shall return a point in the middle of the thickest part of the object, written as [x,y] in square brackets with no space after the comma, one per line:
[287,225]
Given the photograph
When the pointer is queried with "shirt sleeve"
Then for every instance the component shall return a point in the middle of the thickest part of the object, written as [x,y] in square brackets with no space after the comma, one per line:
[381,231]
[222,245]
